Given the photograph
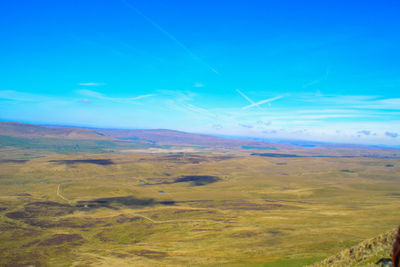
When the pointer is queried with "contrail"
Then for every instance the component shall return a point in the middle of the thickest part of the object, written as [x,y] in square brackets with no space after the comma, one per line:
[322,79]
[104,97]
[139,97]
[170,36]
[262,102]
[247,98]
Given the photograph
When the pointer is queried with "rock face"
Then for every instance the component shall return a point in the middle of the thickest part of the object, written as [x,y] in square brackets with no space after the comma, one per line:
[367,253]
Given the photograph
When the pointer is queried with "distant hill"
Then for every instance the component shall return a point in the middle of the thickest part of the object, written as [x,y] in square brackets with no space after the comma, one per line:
[155,137]
[16,129]
[162,136]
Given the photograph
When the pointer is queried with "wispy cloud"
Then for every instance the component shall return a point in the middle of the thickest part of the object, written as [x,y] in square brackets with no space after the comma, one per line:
[247,98]
[176,95]
[101,96]
[140,97]
[246,125]
[264,123]
[270,132]
[169,35]
[21,96]
[263,102]
[217,126]
[199,85]
[200,110]
[33,99]
[329,116]
[319,80]
[182,101]
[391,134]
[310,84]
[186,110]
[85,100]
[364,132]
[389,103]
[91,84]
[365,102]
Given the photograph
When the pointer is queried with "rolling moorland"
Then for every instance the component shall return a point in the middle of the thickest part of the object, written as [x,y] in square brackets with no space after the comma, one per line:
[104,197]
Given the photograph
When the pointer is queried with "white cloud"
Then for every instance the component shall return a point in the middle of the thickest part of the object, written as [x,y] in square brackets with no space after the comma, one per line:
[101,96]
[389,103]
[85,100]
[391,134]
[246,126]
[353,101]
[21,96]
[310,84]
[91,84]
[199,85]
[364,132]
[217,126]
[263,123]
[328,116]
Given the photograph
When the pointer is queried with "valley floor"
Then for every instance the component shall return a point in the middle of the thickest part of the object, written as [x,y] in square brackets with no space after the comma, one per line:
[191,209]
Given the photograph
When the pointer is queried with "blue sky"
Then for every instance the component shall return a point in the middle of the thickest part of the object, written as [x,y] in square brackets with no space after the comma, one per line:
[312,70]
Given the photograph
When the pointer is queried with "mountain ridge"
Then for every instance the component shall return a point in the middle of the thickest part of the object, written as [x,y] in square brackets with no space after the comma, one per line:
[18,129]
[167,137]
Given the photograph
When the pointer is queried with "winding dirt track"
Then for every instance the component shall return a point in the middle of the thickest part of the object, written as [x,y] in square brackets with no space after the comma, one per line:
[61,196]
[172,221]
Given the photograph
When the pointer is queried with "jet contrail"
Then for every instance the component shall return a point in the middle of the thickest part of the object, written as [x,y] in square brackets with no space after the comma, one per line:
[247,98]
[170,36]
[262,102]
[139,97]
[104,97]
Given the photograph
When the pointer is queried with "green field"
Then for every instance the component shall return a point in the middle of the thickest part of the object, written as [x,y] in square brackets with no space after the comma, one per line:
[138,209]
[66,146]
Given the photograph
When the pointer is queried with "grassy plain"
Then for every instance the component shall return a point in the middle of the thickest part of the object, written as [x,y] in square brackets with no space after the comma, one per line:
[135,209]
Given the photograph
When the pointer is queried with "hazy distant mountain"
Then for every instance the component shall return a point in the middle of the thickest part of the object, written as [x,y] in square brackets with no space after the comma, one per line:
[16,129]
[162,136]
[142,139]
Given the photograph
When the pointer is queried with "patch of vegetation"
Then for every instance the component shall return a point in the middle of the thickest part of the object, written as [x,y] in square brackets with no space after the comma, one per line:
[294,262]
[197,180]
[194,180]
[349,171]
[60,239]
[150,254]
[366,252]
[128,201]
[13,161]
[68,146]
[259,147]
[275,155]
[102,162]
